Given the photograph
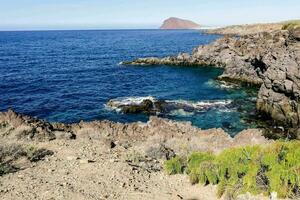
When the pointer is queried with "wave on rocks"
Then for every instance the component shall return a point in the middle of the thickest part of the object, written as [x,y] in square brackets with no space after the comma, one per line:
[222,84]
[153,106]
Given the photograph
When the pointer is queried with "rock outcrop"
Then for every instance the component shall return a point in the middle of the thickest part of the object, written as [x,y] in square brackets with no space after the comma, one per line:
[157,131]
[176,23]
[269,60]
[279,96]
[16,126]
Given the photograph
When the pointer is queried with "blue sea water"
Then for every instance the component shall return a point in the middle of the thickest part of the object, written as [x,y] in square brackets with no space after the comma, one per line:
[68,76]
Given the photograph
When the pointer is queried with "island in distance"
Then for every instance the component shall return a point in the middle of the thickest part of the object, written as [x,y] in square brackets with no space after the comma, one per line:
[176,23]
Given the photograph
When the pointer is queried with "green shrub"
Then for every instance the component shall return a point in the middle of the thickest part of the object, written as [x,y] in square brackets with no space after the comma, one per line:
[199,166]
[282,161]
[195,159]
[254,169]
[174,166]
[290,25]
[238,167]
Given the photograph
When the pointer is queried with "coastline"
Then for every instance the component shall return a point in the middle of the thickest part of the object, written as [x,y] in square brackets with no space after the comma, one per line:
[113,160]
[257,59]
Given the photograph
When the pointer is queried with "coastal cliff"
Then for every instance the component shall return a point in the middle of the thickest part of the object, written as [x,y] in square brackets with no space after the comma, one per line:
[269,60]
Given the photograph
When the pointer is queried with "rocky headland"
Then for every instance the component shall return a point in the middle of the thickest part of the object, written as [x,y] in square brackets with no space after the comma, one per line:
[269,60]
[177,23]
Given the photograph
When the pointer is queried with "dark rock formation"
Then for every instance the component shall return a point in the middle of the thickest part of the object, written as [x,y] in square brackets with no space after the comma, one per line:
[146,107]
[270,60]
[176,23]
[279,96]
[151,106]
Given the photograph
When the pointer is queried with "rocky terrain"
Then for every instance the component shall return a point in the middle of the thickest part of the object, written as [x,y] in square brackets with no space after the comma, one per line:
[176,23]
[246,29]
[269,60]
[249,29]
[105,160]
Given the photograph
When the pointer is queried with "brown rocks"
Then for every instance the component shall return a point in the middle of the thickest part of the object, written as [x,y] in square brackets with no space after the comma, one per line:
[23,127]
[296,33]
[156,131]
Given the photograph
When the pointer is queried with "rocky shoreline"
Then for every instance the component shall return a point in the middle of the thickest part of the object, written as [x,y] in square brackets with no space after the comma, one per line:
[270,60]
[110,160]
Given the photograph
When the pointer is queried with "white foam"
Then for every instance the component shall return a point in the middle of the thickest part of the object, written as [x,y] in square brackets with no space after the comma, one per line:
[221,84]
[181,112]
[124,101]
[202,104]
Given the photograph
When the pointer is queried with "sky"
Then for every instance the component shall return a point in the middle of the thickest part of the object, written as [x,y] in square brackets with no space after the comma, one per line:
[114,14]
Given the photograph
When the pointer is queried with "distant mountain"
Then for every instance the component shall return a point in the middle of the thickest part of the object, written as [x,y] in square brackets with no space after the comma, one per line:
[176,23]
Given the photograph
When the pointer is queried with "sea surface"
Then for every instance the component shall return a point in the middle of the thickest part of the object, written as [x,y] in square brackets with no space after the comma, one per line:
[68,76]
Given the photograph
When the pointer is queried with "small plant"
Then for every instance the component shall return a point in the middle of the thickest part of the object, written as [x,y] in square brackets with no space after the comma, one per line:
[134,156]
[10,154]
[252,169]
[34,154]
[174,166]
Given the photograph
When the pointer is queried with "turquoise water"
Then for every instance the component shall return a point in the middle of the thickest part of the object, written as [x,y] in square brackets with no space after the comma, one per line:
[68,76]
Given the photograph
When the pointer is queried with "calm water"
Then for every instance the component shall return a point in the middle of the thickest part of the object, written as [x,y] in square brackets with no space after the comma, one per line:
[68,76]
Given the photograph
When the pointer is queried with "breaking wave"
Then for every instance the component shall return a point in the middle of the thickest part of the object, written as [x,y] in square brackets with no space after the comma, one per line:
[171,107]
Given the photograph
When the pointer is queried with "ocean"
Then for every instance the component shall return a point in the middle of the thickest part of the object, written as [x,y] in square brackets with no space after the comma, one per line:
[68,76]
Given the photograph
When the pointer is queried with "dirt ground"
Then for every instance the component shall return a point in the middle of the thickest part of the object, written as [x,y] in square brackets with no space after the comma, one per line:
[108,160]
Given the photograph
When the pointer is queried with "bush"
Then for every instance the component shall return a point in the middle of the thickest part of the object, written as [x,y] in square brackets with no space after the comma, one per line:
[290,25]
[174,166]
[10,154]
[252,169]
[199,167]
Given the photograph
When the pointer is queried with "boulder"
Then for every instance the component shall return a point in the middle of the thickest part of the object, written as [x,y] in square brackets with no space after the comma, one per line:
[145,107]
[295,33]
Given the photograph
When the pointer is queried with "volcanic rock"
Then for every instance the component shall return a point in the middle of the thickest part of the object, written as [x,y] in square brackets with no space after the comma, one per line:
[176,23]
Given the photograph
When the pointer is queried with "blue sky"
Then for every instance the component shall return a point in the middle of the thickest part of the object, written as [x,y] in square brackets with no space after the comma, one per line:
[73,14]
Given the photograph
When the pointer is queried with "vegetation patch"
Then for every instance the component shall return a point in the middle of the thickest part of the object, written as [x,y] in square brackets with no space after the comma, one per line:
[174,166]
[290,25]
[255,169]
[11,154]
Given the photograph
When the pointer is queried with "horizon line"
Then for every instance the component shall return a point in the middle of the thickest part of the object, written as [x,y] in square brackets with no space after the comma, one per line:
[101,29]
